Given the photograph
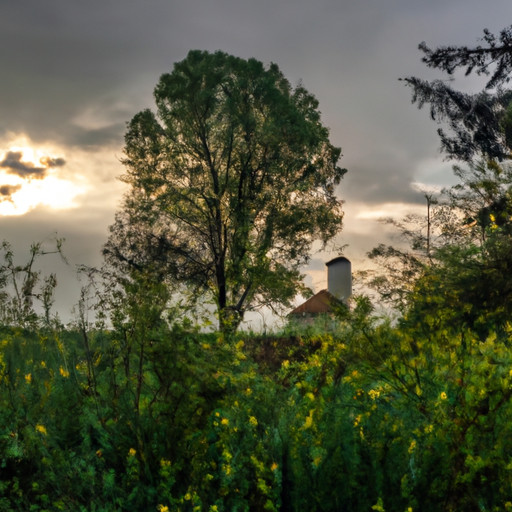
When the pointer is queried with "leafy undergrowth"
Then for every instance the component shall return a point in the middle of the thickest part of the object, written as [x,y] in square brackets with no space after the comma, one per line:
[367,417]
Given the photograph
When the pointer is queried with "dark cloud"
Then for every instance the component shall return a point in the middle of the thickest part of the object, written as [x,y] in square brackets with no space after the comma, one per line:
[6,191]
[92,139]
[14,165]
[13,162]
[50,162]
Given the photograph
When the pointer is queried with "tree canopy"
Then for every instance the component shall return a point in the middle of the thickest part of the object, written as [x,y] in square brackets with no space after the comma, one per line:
[479,123]
[231,181]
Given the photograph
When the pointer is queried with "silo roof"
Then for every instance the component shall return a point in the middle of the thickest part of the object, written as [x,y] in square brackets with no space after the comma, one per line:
[337,260]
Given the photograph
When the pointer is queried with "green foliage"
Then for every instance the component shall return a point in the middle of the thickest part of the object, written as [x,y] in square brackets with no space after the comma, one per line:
[231,181]
[152,416]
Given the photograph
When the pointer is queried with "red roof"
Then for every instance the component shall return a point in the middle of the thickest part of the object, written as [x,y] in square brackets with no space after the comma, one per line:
[319,303]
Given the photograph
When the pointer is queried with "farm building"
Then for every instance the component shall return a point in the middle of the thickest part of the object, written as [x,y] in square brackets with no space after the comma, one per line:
[327,301]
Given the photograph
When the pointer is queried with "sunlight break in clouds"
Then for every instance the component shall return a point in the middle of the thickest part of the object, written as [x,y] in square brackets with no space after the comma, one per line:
[29,177]
[388,210]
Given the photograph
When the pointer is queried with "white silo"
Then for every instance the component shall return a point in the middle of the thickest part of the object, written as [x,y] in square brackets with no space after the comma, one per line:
[339,278]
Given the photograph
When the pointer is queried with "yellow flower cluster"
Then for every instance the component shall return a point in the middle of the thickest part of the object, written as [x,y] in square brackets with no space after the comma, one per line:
[132,452]
[253,421]
[41,429]
[309,419]
[64,372]
[373,394]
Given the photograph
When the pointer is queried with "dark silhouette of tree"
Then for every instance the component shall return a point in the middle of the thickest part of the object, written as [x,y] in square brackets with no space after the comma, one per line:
[478,123]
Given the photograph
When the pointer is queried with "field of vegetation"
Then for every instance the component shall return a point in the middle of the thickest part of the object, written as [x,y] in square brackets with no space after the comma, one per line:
[144,409]
[153,414]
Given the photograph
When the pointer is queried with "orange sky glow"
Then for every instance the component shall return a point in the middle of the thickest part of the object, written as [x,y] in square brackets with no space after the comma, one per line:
[52,188]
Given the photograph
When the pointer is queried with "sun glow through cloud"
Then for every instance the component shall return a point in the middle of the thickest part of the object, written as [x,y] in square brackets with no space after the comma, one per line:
[32,177]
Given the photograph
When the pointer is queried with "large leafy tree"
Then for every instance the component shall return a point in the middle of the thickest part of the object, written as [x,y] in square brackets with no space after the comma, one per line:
[479,123]
[231,182]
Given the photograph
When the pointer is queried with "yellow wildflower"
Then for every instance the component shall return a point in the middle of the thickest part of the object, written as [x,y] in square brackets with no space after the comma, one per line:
[443,396]
[285,363]
[28,378]
[253,421]
[187,497]
[41,429]
[163,508]
[224,421]
[274,466]
[63,372]
[309,420]
[373,394]
[412,446]
[132,452]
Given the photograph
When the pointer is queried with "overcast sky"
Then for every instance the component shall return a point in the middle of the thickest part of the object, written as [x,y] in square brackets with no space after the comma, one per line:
[73,73]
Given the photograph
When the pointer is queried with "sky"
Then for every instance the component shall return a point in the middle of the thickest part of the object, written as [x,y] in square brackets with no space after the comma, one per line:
[74,73]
